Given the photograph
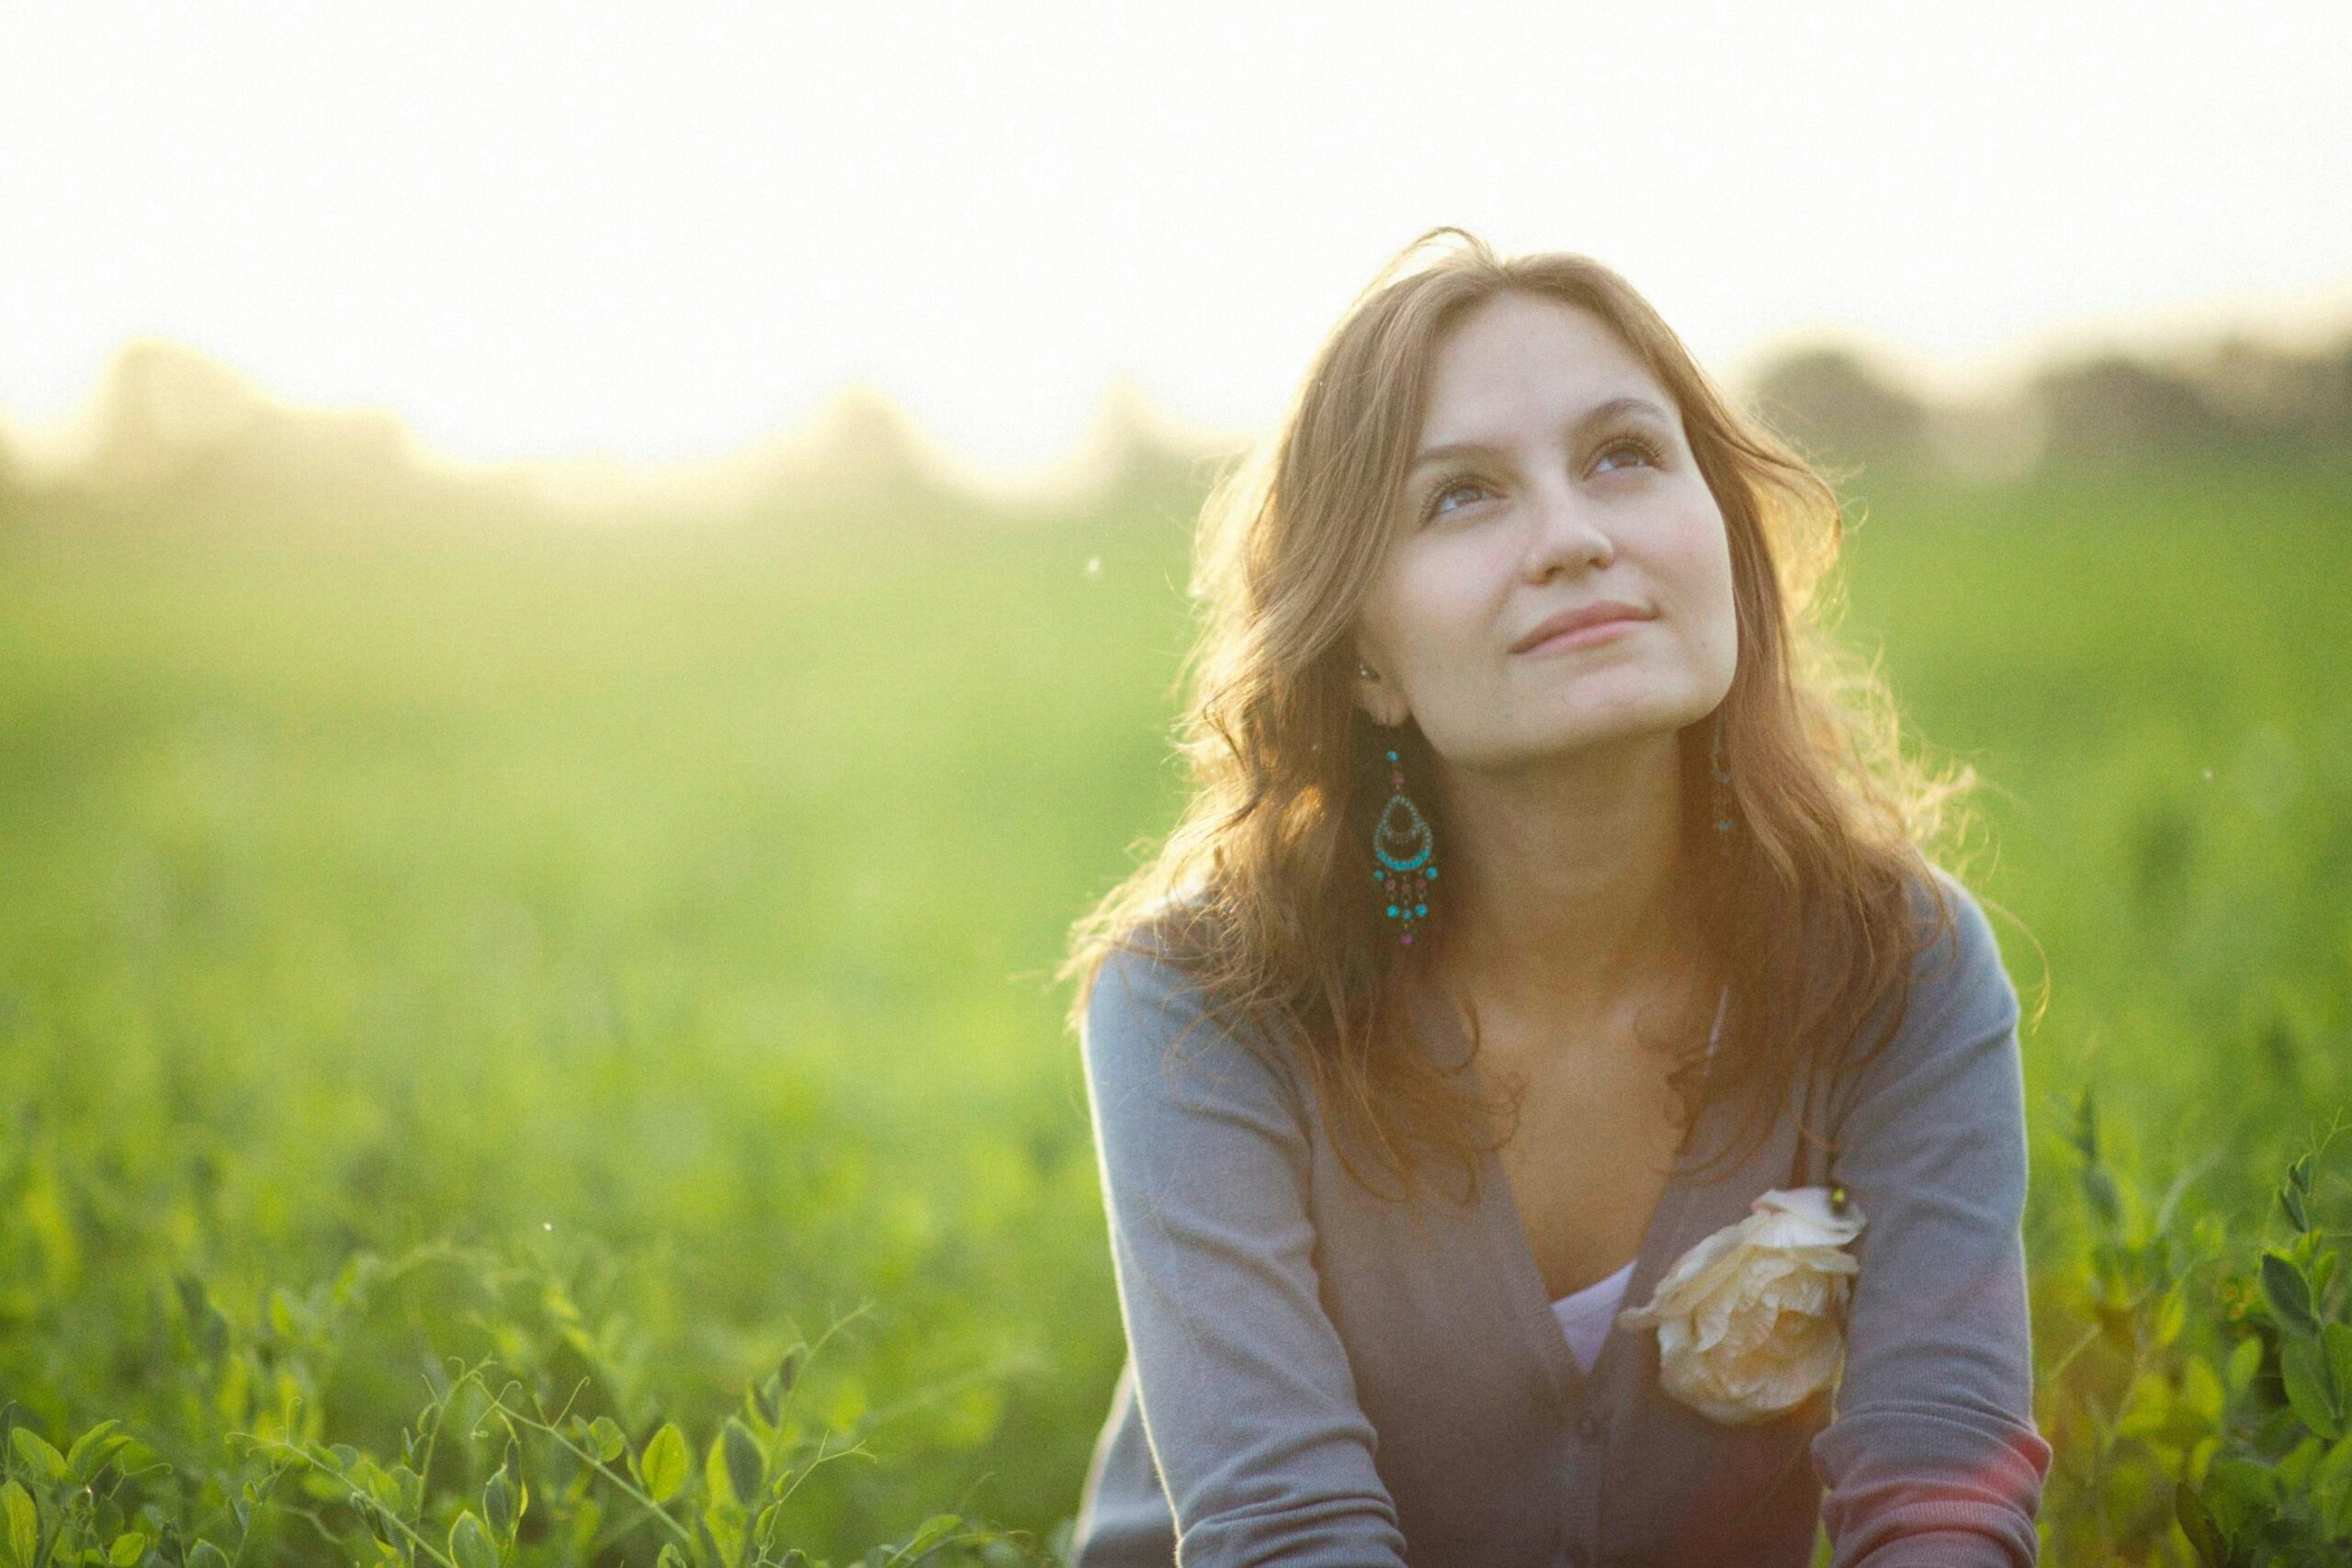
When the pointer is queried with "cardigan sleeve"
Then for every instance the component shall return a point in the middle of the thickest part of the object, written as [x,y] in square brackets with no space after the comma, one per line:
[1932,1455]
[1248,1401]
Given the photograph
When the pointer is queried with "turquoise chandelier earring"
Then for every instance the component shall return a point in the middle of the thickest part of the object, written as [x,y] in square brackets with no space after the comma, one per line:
[1403,851]
[1405,855]
[1721,768]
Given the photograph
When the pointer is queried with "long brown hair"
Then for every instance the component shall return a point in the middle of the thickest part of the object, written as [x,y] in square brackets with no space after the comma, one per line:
[1260,891]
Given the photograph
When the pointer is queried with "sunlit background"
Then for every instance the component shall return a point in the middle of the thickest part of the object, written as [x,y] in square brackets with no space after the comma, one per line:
[586,593]
[662,233]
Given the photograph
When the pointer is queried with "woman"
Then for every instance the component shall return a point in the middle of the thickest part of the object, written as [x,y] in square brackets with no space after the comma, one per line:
[1541,845]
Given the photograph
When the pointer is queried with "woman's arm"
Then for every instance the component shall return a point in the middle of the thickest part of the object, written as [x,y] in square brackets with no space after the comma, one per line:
[1244,1386]
[1932,1456]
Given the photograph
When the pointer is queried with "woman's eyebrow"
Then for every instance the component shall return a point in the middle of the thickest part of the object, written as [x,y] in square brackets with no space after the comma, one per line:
[1590,417]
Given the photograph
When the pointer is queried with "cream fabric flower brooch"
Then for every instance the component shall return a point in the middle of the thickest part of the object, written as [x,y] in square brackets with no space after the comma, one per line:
[1750,1321]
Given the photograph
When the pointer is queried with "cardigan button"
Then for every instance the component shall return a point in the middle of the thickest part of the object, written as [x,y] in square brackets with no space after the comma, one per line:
[1588,1428]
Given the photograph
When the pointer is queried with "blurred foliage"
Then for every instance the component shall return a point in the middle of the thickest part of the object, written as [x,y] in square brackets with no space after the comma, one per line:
[463,984]
[1844,406]
[174,441]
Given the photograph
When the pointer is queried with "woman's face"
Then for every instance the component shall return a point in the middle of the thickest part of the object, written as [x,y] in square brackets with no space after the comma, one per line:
[1570,483]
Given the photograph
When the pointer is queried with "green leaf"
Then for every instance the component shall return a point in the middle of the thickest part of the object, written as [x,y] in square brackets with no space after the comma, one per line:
[605,1438]
[930,1532]
[2310,1386]
[207,1555]
[128,1549]
[2245,1362]
[2337,1340]
[663,1466]
[767,1397]
[23,1523]
[670,1557]
[722,1526]
[714,1473]
[2171,1315]
[2288,1293]
[2294,1192]
[411,1487]
[36,1451]
[371,1478]
[2241,1494]
[2147,1406]
[2085,1135]
[2197,1524]
[87,1451]
[2107,1204]
[744,1463]
[2290,1202]
[2201,1390]
[498,1504]
[2332,1487]
[371,1514]
[2294,1467]
[470,1543]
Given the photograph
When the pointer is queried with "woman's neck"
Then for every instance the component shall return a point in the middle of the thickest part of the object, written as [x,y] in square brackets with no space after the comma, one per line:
[1564,889]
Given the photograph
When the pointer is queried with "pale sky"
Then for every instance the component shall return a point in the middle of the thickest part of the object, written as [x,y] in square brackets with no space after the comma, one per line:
[659,232]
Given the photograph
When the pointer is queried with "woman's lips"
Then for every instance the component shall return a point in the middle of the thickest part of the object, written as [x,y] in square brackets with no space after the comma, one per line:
[1598,631]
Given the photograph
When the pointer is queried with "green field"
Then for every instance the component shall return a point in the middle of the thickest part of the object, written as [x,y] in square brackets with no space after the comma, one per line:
[655,928]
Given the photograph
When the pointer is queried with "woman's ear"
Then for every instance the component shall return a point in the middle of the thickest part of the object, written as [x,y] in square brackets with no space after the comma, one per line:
[1378,698]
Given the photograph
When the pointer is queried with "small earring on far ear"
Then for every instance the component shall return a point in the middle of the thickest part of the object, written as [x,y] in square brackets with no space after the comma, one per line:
[1365,671]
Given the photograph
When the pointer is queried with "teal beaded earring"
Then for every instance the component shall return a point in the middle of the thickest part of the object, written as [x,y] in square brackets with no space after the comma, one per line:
[1404,851]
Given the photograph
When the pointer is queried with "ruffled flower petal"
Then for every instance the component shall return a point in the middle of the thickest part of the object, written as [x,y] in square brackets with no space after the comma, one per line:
[1751,1319]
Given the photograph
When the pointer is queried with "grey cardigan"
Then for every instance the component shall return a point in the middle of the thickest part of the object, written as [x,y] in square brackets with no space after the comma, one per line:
[1320,1375]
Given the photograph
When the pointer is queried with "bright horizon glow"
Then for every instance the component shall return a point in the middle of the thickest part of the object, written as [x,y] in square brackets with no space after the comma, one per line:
[660,235]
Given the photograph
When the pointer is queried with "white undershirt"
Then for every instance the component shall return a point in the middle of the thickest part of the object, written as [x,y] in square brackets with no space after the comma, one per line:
[1586,1315]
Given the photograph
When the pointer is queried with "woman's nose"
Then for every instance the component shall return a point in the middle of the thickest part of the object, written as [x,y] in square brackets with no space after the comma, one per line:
[1565,535]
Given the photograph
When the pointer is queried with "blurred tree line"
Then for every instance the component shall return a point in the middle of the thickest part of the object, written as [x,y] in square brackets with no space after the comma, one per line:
[173,437]
[2110,406]
[173,433]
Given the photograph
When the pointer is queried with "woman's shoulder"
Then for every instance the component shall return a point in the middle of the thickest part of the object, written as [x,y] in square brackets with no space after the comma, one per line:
[1958,998]
[1151,1013]
[1958,976]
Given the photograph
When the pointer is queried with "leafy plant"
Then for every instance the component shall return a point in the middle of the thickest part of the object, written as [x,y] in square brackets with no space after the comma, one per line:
[2277,1487]
[566,1487]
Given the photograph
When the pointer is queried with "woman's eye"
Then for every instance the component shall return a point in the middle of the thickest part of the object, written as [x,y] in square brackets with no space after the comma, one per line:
[1635,445]
[1437,498]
